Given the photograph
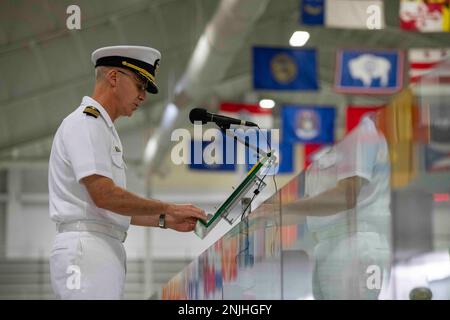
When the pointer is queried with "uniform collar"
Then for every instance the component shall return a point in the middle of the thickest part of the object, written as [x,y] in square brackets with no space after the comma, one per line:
[88,101]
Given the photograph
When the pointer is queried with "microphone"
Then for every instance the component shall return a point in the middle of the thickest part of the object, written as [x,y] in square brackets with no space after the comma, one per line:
[199,114]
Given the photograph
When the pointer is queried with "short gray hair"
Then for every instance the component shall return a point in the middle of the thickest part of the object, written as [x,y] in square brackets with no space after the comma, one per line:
[100,72]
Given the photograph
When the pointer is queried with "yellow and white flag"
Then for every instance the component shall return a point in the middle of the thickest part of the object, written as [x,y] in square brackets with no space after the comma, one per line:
[425,15]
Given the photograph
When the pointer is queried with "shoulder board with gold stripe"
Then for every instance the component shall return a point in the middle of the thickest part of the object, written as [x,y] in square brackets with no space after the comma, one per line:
[91,111]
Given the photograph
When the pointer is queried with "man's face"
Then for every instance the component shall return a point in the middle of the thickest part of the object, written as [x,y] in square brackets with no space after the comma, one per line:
[132,91]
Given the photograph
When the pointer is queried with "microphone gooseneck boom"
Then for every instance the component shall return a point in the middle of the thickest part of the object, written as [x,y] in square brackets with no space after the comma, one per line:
[199,114]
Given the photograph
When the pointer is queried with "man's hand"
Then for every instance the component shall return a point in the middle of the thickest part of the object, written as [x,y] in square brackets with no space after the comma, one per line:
[183,217]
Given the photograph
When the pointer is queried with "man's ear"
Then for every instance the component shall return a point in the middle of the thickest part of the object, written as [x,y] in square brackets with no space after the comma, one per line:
[111,77]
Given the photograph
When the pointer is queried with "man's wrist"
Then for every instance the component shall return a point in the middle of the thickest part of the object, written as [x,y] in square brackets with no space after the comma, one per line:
[165,207]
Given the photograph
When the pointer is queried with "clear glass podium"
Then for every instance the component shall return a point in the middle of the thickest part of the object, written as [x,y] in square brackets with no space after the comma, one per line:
[368,219]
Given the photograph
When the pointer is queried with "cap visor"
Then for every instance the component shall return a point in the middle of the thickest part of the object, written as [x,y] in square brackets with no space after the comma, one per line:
[152,88]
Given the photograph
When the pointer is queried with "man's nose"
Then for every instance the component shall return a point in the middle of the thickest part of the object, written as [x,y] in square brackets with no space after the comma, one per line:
[142,95]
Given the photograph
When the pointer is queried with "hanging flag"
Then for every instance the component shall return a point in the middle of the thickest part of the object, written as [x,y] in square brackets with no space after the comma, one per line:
[425,61]
[355,113]
[369,71]
[307,124]
[351,14]
[248,112]
[216,155]
[284,69]
[313,12]
[425,15]
[286,157]
[397,126]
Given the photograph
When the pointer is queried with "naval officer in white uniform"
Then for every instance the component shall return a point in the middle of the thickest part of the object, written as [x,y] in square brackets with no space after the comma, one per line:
[87,184]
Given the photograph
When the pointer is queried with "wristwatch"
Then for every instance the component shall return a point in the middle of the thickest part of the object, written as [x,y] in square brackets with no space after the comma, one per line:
[162,221]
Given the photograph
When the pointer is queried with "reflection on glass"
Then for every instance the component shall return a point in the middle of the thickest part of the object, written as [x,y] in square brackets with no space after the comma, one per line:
[347,196]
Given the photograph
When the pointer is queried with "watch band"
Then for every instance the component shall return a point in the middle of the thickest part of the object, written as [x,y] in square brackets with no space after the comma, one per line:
[162,221]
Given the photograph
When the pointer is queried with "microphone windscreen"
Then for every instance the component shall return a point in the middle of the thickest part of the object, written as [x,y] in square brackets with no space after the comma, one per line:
[198,114]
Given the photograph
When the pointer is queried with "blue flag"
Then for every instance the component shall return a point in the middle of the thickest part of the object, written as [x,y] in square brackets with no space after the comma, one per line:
[369,71]
[313,12]
[283,152]
[284,69]
[204,153]
[307,124]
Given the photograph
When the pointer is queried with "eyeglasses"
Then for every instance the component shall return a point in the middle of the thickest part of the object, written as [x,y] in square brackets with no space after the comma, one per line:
[141,86]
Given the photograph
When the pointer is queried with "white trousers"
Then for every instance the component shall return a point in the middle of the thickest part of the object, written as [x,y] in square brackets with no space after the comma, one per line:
[87,266]
[342,264]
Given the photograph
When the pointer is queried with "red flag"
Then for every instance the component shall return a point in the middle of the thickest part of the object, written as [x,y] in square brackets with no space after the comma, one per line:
[248,112]
[354,115]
